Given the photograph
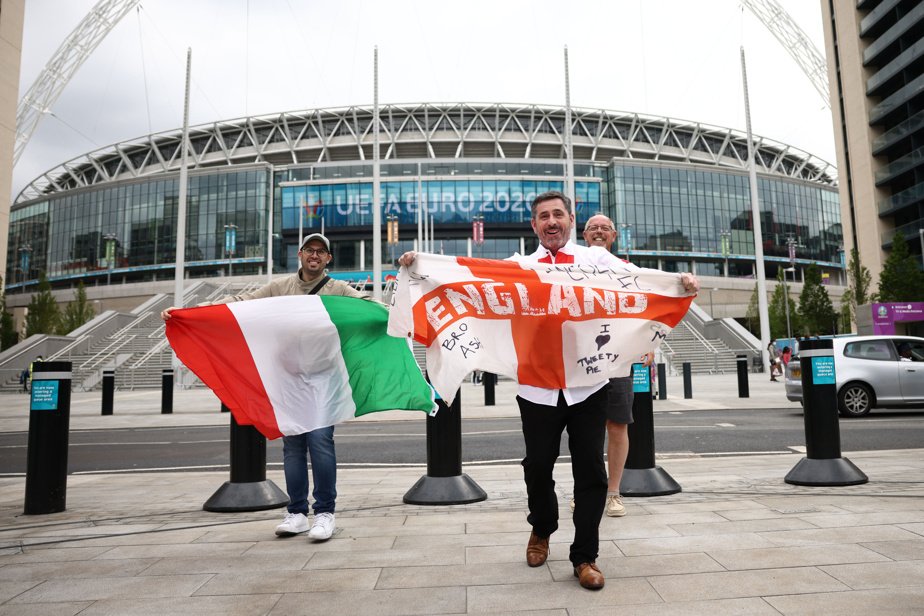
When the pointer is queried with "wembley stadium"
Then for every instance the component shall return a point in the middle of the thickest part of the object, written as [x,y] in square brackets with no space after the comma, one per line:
[677,191]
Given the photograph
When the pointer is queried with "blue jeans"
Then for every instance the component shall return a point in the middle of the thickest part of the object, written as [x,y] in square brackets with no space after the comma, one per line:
[295,450]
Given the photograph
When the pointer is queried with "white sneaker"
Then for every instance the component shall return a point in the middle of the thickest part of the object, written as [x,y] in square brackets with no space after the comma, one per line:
[614,506]
[293,524]
[323,526]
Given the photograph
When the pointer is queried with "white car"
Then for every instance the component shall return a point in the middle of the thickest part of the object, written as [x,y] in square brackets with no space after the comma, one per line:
[871,372]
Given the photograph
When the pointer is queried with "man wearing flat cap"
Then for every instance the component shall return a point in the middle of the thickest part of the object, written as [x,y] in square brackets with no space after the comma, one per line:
[313,256]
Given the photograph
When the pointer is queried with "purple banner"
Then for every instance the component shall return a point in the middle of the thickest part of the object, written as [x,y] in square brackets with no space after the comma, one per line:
[886,315]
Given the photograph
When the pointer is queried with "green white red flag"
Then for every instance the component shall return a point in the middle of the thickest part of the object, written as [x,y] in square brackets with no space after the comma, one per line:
[289,365]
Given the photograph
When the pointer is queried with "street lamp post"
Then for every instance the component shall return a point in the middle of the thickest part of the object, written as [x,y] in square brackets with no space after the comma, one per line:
[725,234]
[626,235]
[921,234]
[230,243]
[110,255]
[392,235]
[786,297]
[25,251]
[478,232]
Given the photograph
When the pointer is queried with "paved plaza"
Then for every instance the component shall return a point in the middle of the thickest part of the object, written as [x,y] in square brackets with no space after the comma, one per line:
[736,540]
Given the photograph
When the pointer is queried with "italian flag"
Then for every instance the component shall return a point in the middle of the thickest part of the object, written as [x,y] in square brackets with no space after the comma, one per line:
[289,365]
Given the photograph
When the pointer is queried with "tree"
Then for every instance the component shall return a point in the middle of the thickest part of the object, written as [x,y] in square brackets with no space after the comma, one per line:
[43,314]
[77,312]
[753,313]
[858,290]
[776,311]
[901,280]
[815,307]
[8,334]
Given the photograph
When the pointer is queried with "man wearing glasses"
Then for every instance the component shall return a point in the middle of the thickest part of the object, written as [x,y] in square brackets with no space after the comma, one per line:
[599,231]
[313,257]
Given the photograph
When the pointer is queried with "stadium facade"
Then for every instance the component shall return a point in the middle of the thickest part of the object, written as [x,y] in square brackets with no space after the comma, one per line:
[677,191]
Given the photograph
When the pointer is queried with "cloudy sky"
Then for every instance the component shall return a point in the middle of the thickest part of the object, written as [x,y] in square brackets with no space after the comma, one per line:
[673,58]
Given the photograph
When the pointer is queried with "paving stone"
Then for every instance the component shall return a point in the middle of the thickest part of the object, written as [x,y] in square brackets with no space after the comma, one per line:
[53,591]
[391,558]
[719,607]
[178,550]
[898,550]
[240,605]
[508,598]
[746,526]
[796,556]
[269,582]
[666,564]
[894,601]
[75,569]
[859,534]
[224,563]
[44,609]
[880,575]
[391,602]
[464,575]
[725,585]
[54,554]
[11,589]
[701,543]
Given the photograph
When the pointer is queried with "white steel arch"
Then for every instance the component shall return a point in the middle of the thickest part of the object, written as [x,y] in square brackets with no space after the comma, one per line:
[69,57]
[794,40]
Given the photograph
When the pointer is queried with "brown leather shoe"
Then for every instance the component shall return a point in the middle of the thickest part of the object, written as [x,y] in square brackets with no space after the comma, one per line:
[537,550]
[589,575]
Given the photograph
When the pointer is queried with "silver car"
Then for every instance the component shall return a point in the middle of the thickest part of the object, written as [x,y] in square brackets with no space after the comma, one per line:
[871,372]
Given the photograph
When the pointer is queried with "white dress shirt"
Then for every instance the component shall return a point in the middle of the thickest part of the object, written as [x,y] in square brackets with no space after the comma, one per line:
[581,255]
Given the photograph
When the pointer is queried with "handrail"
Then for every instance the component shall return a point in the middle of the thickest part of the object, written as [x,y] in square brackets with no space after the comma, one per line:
[96,376]
[160,331]
[218,292]
[157,348]
[702,339]
[68,348]
[141,317]
[107,351]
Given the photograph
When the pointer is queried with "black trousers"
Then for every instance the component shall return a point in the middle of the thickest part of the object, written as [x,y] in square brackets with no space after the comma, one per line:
[542,430]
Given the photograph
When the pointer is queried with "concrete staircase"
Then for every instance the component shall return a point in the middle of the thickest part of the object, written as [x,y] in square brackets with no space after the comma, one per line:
[705,356]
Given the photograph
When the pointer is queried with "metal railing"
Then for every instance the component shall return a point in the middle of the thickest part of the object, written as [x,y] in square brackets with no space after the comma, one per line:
[68,348]
[155,350]
[109,350]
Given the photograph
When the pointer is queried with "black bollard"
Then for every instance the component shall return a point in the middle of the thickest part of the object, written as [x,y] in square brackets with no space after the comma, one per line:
[662,382]
[687,381]
[49,421]
[487,380]
[743,389]
[641,476]
[445,483]
[108,391]
[166,392]
[823,464]
[248,489]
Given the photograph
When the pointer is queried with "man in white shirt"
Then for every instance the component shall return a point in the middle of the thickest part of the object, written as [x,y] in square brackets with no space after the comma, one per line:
[545,413]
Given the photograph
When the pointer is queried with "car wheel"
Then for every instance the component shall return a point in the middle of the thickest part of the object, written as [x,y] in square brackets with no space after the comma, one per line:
[855,400]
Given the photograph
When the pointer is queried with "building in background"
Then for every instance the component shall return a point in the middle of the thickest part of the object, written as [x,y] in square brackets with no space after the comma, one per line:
[875,51]
[11,20]
[677,191]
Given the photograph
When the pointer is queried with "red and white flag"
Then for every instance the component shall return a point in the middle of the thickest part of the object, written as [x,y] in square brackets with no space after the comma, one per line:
[546,325]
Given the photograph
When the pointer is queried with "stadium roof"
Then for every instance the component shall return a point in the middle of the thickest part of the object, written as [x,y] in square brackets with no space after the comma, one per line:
[428,131]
